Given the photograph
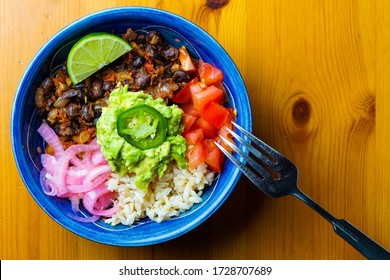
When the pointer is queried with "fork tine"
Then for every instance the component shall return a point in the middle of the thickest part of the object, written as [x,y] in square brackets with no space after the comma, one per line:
[244,169]
[251,149]
[264,173]
[272,152]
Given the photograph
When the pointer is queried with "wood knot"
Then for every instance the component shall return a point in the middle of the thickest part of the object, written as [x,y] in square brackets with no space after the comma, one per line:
[301,112]
[300,116]
[216,4]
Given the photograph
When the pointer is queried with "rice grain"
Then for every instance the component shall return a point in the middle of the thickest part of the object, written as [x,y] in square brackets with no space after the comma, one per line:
[177,191]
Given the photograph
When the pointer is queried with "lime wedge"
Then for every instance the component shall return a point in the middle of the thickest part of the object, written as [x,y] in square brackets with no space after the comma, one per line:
[93,52]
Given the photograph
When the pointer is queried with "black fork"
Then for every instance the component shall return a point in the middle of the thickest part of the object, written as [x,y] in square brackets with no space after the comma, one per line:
[277,176]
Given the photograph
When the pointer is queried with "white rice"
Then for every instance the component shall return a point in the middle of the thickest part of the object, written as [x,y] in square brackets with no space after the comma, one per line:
[177,191]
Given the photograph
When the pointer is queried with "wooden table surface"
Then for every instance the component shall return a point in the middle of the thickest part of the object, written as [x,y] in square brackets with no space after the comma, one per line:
[317,72]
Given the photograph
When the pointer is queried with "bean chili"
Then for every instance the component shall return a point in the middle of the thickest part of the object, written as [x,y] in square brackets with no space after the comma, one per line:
[73,110]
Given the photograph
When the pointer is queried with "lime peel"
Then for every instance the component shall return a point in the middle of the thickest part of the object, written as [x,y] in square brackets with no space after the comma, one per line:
[92,52]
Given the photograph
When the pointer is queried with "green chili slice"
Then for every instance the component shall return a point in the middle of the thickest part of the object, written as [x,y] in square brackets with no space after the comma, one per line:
[142,126]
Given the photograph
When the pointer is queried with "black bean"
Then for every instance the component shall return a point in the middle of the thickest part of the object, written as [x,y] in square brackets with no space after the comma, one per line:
[56,128]
[71,93]
[94,121]
[50,101]
[87,112]
[138,62]
[170,54]
[180,76]
[167,73]
[108,85]
[141,39]
[80,86]
[65,131]
[80,97]
[72,110]
[153,37]
[48,85]
[141,80]
[98,105]
[154,53]
[120,67]
[126,82]
[97,90]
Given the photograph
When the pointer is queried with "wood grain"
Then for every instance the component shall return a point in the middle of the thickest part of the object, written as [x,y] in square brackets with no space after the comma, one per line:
[317,73]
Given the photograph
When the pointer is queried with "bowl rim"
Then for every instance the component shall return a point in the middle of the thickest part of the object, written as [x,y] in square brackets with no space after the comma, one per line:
[16,141]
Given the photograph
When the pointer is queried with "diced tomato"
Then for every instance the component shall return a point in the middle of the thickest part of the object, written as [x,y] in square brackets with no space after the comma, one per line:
[224,132]
[215,114]
[231,118]
[209,74]
[149,67]
[214,158]
[194,136]
[209,131]
[228,123]
[196,86]
[188,121]
[189,109]
[110,76]
[185,60]
[196,154]
[210,145]
[205,118]
[185,94]
[202,98]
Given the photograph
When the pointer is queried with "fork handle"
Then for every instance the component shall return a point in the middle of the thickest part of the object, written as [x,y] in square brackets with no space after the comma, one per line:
[357,239]
[361,242]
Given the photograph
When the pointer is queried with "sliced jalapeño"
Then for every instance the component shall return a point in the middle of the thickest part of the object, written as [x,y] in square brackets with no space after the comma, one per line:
[142,126]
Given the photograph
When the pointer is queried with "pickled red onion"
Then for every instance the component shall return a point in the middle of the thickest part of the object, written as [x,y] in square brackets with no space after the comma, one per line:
[62,166]
[98,158]
[91,199]
[79,173]
[51,138]
[47,187]
[85,187]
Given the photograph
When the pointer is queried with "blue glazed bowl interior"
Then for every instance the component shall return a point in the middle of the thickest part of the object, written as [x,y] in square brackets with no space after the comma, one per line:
[26,141]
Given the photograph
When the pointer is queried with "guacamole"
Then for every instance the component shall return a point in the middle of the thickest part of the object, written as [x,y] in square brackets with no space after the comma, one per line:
[141,135]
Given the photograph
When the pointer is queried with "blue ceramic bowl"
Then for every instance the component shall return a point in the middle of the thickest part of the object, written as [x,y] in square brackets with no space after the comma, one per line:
[24,122]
